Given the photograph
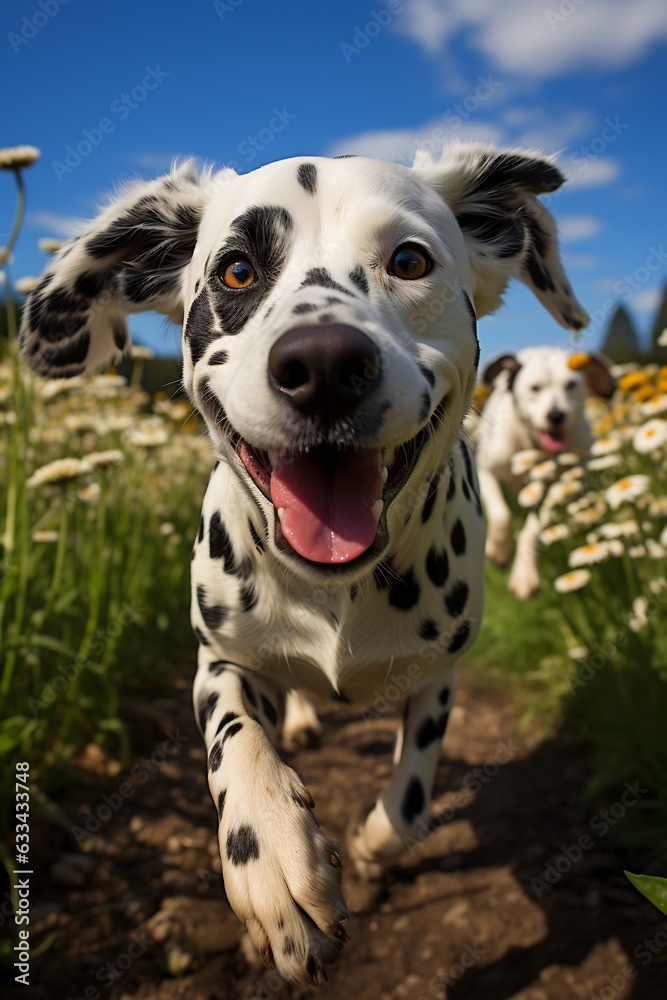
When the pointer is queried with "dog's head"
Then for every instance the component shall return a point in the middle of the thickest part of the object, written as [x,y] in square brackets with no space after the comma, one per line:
[329,319]
[549,395]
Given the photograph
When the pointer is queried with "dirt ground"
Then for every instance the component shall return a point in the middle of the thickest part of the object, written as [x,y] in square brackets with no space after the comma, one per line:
[459,919]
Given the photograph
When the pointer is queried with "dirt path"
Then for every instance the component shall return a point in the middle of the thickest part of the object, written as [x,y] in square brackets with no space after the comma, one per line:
[459,919]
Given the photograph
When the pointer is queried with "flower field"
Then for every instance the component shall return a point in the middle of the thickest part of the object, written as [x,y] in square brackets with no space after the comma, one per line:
[590,650]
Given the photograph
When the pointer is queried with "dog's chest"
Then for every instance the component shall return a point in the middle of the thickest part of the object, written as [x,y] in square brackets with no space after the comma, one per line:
[419,607]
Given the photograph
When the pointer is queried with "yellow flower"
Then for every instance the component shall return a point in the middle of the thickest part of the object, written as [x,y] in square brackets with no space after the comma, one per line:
[586,555]
[643,393]
[606,445]
[578,361]
[523,461]
[531,494]
[634,379]
[650,436]
[574,580]
[481,394]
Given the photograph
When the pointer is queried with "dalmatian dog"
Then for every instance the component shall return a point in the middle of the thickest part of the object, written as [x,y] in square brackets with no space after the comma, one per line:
[536,402]
[329,313]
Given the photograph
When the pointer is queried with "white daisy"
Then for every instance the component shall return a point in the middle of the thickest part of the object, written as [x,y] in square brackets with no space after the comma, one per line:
[654,406]
[148,434]
[543,471]
[574,580]
[49,245]
[63,470]
[26,285]
[657,585]
[44,537]
[650,436]
[637,551]
[523,461]
[140,353]
[639,617]
[619,529]
[15,157]
[628,488]
[568,458]
[561,492]
[101,459]
[606,445]
[571,475]
[555,533]
[654,549]
[587,555]
[578,652]
[531,494]
[604,462]
[662,338]
[658,507]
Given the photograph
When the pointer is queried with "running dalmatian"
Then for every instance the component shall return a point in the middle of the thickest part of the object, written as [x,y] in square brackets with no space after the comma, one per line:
[329,340]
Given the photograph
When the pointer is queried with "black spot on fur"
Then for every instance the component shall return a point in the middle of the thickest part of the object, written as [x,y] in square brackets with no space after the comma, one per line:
[248,692]
[430,730]
[269,710]
[248,597]
[458,538]
[505,234]
[213,614]
[200,533]
[473,317]
[74,352]
[425,408]
[231,731]
[428,630]
[218,358]
[465,488]
[262,235]
[90,283]
[359,279]
[413,800]
[221,802]
[307,177]
[455,600]
[459,637]
[220,546]
[427,509]
[199,332]
[325,318]
[404,591]
[225,720]
[242,846]
[444,695]
[206,709]
[217,667]
[215,757]
[259,544]
[201,638]
[428,375]
[437,566]
[304,307]
[320,277]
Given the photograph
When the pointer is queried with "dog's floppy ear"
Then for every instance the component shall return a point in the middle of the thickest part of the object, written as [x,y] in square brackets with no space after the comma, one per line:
[597,370]
[130,259]
[507,363]
[508,232]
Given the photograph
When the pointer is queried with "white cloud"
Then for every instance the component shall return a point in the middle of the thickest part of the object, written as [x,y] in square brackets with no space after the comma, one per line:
[148,160]
[54,224]
[583,173]
[574,228]
[521,37]
[401,144]
[647,300]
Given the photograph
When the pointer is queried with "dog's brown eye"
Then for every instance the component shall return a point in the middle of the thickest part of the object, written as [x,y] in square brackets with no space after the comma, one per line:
[410,262]
[238,273]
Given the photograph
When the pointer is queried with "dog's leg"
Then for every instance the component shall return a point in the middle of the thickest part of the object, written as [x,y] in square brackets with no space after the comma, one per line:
[301,727]
[524,578]
[400,815]
[282,875]
[499,518]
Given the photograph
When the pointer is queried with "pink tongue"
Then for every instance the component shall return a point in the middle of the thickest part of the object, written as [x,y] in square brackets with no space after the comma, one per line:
[550,442]
[327,498]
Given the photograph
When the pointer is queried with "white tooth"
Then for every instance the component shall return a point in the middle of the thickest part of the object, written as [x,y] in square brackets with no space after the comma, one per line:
[390,457]
[376,510]
[385,473]
[281,514]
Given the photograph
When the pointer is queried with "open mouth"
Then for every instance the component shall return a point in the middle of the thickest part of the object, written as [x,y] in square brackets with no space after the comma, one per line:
[331,503]
[552,441]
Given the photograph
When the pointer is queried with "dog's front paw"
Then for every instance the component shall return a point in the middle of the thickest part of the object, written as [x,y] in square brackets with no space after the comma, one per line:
[499,548]
[282,875]
[524,581]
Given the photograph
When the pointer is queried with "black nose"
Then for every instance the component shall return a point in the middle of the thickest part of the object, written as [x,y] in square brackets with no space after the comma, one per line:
[324,370]
[555,417]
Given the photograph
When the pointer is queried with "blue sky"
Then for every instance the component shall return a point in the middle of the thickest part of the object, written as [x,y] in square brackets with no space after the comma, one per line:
[244,82]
